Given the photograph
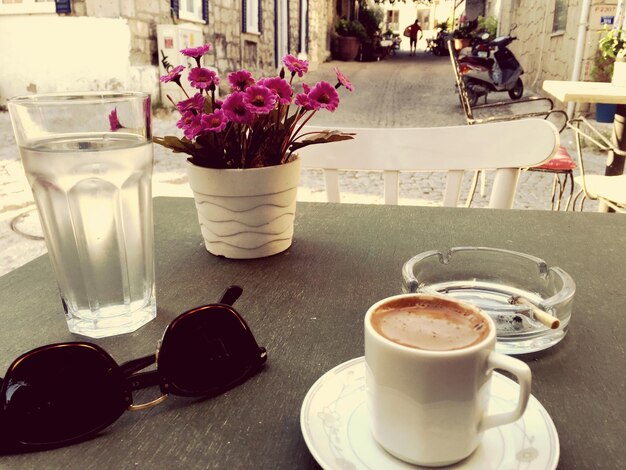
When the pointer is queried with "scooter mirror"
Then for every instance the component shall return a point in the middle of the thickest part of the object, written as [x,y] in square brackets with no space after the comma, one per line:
[484,36]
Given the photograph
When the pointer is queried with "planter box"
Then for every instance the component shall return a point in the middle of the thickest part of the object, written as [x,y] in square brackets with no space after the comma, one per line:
[347,48]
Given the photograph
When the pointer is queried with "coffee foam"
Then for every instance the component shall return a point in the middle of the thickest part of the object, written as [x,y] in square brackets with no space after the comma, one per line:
[433,324]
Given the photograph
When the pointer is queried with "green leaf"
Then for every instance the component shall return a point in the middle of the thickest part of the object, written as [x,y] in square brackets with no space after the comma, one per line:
[175,144]
[321,138]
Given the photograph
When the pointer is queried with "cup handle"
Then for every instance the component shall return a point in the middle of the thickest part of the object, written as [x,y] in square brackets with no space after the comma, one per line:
[522,372]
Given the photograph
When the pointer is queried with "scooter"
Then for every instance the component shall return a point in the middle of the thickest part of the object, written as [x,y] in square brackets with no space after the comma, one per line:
[438,45]
[491,67]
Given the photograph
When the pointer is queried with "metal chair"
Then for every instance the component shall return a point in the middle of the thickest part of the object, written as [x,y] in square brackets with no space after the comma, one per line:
[610,191]
[561,166]
[453,150]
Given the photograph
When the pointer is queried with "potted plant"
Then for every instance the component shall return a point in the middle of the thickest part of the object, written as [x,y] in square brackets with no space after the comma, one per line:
[464,33]
[488,24]
[612,48]
[351,33]
[371,18]
[609,66]
[243,168]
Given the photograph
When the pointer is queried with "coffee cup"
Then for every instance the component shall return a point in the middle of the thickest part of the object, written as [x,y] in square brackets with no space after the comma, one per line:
[429,361]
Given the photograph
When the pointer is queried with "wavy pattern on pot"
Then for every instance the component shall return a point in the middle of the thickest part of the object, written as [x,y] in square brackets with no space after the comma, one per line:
[246,213]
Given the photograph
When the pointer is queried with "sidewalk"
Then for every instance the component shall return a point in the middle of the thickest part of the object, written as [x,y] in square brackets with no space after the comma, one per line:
[400,91]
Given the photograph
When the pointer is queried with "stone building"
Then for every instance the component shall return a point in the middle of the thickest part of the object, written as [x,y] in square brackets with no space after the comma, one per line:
[62,45]
[548,33]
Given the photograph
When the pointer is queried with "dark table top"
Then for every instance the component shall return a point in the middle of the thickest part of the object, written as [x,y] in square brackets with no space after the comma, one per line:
[306,306]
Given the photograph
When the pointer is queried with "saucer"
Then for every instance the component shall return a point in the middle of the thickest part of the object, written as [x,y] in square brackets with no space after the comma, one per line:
[335,426]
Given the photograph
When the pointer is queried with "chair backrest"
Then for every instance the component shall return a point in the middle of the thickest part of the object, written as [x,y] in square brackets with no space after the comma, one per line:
[502,146]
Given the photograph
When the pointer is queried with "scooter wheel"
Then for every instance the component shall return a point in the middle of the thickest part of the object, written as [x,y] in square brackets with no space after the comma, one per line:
[517,91]
[472,96]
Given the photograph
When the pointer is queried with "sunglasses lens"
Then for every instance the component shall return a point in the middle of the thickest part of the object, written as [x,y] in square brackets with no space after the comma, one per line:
[208,350]
[62,393]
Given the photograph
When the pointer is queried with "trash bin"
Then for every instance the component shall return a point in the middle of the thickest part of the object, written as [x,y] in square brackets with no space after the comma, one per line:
[605,112]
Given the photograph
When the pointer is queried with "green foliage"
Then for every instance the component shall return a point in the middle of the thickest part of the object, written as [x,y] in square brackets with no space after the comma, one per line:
[351,28]
[489,25]
[371,18]
[613,43]
[602,69]
[611,46]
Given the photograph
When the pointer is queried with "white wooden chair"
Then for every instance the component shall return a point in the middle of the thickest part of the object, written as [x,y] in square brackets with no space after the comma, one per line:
[502,146]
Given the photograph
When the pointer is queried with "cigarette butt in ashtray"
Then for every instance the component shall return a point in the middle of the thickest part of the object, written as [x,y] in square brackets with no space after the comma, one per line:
[538,314]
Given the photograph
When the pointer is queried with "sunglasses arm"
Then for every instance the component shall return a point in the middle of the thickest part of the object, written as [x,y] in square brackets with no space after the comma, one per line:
[230,295]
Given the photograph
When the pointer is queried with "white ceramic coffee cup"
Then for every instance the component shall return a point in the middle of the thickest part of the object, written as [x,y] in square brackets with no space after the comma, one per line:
[429,407]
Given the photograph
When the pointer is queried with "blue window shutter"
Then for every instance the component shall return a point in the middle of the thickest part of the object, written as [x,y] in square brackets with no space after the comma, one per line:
[63,6]
[244,8]
[276,39]
[288,29]
[175,7]
[205,11]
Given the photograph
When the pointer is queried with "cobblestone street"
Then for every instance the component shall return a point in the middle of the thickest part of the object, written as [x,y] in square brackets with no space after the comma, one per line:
[400,91]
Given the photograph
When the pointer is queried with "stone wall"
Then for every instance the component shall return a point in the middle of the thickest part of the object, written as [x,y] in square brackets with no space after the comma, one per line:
[134,64]
[321,23]
[544,54]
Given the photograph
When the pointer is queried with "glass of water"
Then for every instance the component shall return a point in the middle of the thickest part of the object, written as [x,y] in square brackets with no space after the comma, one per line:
[88,159]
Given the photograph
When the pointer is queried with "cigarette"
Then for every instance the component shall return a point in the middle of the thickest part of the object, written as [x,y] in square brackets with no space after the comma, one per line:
[538,314]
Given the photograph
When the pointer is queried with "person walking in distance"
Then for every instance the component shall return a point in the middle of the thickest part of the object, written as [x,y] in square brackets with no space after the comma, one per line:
[412,33]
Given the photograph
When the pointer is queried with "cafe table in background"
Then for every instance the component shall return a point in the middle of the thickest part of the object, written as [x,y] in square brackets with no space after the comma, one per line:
[306,306]
[597,92]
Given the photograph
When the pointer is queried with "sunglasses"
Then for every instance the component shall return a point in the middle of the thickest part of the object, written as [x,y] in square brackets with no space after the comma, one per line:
[64,393]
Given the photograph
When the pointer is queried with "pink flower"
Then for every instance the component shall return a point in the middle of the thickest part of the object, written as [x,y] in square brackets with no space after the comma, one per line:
[203,78]
[195,103]
[114,122]
[235,109]
[240,80]
[173,75]
[295,65]
[196,52]
[303,100]
[324,95]
[343,80]
[214,122]
[218,104]
[306,88]
[280,87]
[259,99]
[190,123]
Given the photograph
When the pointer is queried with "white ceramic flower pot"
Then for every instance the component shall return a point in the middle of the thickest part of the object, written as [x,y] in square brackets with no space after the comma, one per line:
[246,213]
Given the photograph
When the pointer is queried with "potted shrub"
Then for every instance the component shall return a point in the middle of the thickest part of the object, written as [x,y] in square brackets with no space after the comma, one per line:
[371,18]
[243,168]
[463,34]
[609,66]
[351,33]
[612,48]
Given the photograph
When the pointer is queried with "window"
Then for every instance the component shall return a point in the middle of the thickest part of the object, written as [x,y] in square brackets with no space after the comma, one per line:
[17,7]
[393,20]
[252,16]
[192,10]
[559,22]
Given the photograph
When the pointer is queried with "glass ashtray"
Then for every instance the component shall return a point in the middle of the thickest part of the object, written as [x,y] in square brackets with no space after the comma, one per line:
[513,288]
